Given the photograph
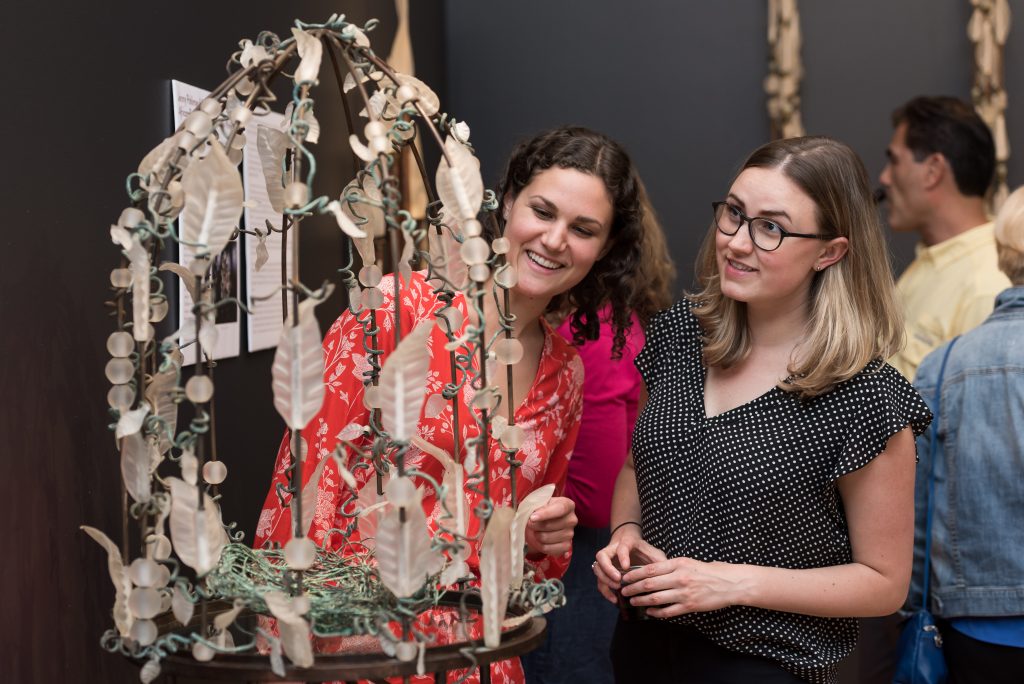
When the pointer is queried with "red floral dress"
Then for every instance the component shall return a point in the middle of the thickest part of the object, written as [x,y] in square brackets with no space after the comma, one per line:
[549,416]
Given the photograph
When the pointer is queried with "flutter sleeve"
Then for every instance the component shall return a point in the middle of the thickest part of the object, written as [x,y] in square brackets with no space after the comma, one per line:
[667,334]
[879,402]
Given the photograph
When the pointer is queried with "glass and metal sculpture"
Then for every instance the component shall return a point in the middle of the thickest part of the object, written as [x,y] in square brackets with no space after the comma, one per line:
[184,580]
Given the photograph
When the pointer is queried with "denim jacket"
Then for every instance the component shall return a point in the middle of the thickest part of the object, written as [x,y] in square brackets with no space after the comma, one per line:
[978,521]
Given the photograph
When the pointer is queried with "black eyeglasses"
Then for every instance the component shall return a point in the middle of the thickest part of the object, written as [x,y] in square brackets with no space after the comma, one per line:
[765,234]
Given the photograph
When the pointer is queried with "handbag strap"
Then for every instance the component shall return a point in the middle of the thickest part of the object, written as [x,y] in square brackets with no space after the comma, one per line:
[933,449]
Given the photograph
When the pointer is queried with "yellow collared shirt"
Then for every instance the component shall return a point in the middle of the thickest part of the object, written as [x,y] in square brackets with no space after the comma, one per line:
[948,289]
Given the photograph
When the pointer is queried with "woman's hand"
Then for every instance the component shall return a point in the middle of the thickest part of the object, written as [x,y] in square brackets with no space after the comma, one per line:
[549,530]
[683,585]
[626,548]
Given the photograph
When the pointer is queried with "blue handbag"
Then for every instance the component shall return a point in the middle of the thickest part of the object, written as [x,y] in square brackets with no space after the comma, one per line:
[919,654]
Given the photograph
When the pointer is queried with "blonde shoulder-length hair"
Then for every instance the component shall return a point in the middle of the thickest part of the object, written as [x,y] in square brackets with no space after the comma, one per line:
[855,315]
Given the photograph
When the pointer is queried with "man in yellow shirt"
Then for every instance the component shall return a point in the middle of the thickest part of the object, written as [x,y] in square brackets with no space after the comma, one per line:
[940,164]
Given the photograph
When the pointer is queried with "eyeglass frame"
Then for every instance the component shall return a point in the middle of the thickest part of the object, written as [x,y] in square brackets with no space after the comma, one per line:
[750,231]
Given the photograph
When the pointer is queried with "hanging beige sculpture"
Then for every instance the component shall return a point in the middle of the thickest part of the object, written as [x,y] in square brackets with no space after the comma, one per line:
[988,28]
[785,70]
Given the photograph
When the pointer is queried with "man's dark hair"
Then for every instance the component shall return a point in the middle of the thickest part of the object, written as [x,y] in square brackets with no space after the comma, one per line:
[952,128]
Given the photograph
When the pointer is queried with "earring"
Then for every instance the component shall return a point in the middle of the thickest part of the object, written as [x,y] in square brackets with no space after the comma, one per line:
[818,267]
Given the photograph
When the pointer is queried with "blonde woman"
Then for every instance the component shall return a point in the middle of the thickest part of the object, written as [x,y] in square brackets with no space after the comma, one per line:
[769,495]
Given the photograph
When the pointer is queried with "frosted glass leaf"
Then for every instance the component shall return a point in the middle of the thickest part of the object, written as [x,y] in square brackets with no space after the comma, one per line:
[272,145]
[138,266]
[310,50]
[361,150]
[404,266]
[442,456]
[295,637]
[276,662]
[530,503]
[346,224]
[461,188]
[137,466]
[262,253]
[189,467]
[159,158]
[444,254]
[404,556]
[428,100]
[252,53]
[495,572]
[310,493]
[118,576]
[181,605]
[198,537]
[150,671]
[402,383]
[1001,20]
[436,403]
[213,201]
[369,505]
[187,279]
[344,472]
[131,422]
[298,370]
[159,395]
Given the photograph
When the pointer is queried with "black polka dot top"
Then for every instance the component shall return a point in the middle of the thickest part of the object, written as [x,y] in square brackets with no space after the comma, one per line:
[757,484]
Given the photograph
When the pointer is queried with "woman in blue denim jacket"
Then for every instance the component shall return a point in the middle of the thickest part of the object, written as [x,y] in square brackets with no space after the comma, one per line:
[977,566]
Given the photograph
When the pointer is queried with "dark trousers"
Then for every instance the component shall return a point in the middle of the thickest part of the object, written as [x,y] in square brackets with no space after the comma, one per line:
[579,635]
[977,662]
[658,652]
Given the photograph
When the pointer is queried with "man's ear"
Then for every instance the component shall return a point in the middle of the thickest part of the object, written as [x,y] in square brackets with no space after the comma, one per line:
[936,170]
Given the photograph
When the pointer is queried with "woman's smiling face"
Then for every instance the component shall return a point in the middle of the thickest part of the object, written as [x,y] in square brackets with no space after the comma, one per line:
[558,226]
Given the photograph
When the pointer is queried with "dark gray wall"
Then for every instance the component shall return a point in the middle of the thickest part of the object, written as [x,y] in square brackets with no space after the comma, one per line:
[680,83]
[88,96]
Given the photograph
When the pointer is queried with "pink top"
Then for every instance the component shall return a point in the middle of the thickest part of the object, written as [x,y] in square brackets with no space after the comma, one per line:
[611,389]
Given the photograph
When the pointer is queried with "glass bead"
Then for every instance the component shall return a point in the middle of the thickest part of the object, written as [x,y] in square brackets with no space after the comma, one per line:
[508,351]
[119,371]
[299,553]
[371,397]
[475,251]
[513,437]
[199,389]
[144,572]
[186,141]
[380,145]
[471,228]
[406,93]
[238,142]
[120,277]
[479,273]
[211,106]
[375,129]
[373,298]
[164,576]
[144,632]
[506,277]
[355,298]
[501,245]
[198,123]
[240,115]
[130,217]
[120,344]
[296,194]
[144,602]
[215,472]
[406,651]
[121,397]
[157,310]
[202,652]
[371,275]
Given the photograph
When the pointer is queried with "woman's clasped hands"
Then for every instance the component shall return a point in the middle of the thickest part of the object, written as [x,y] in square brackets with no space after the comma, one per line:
[665,587]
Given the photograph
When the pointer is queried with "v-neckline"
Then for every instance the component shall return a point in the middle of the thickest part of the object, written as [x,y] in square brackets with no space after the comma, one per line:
[703,401]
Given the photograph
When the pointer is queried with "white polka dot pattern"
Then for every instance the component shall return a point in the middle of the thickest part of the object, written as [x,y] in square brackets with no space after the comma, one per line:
[757,484]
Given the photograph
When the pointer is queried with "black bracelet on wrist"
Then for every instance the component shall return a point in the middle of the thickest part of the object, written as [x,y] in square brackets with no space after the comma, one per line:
[628,522]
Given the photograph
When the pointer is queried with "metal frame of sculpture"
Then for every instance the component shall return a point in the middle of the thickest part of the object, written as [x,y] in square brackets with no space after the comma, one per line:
[308,592]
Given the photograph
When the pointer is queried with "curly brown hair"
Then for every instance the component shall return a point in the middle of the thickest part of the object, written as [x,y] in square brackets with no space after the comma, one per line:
[621,278]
